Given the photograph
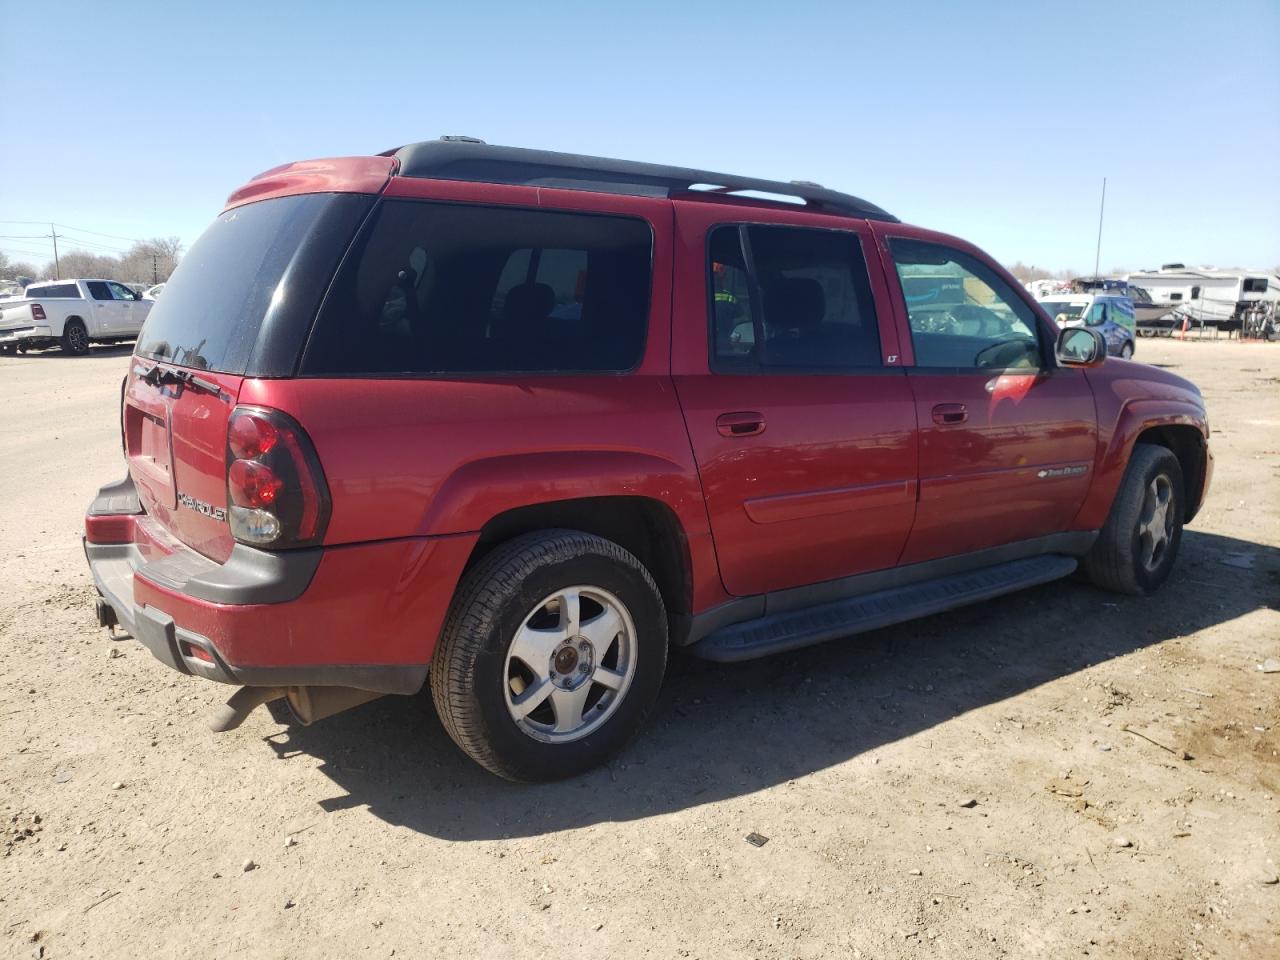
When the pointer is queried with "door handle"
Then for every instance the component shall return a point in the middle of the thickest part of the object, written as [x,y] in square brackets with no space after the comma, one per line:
[947,414]
[746,423]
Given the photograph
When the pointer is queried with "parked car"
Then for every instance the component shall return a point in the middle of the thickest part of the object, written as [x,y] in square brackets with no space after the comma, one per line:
[71,314]
[151,293]
[1111,314]
[511,423]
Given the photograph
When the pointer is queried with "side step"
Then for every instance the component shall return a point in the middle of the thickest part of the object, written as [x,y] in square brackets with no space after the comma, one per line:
[775,633]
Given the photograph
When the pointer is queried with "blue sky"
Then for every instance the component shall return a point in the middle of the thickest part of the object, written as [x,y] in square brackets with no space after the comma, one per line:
[996,121]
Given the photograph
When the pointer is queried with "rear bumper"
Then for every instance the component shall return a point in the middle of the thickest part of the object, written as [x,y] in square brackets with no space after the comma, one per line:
[364,616]
[22,334]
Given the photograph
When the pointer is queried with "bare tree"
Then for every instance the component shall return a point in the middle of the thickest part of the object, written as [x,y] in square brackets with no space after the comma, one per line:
[151,260]
[1026,274]
[145,263]
[17,269]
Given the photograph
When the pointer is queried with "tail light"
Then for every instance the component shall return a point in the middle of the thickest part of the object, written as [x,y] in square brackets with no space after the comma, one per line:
[37,312]
[276,492]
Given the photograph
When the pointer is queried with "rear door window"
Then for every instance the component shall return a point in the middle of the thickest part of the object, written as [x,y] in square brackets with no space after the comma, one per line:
[444,289]
[98,290]
[788,299]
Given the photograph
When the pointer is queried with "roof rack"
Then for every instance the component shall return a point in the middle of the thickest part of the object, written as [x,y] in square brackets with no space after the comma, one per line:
[469,159]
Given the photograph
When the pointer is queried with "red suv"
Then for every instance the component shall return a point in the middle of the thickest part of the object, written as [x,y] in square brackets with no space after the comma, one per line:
[517,421]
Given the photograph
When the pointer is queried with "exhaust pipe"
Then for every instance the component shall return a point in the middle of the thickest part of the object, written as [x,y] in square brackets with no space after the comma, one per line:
[309,704]
[306,704]
[241,703]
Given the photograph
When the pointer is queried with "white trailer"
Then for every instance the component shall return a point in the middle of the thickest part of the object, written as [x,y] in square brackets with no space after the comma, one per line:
[1212,296]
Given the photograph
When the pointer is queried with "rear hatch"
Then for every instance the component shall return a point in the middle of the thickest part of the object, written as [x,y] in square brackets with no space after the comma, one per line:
[240,305]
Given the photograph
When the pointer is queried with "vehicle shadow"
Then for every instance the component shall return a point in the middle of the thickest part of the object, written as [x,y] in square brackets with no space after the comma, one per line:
[727,730]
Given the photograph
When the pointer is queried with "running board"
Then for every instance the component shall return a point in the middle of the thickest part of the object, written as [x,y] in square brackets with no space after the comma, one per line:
[789,630]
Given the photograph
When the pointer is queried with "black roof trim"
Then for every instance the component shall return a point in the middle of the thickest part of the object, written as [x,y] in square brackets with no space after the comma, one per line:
[464,158]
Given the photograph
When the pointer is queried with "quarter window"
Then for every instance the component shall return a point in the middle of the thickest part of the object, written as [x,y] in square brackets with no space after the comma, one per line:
[789,299]
[962,314]
[436,288]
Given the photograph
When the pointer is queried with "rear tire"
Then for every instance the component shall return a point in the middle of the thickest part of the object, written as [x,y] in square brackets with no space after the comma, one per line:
[552,655]
[8,349]
[1138,545]
[75,338]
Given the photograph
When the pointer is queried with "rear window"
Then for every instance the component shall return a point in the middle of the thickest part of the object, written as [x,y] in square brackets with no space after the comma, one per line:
[439,289]
[263,264]
[54,291]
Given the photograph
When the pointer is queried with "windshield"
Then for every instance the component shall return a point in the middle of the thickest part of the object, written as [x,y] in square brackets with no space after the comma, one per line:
[1064,311]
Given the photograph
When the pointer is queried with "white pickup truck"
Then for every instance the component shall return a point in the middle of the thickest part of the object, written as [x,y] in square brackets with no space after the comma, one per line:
[71,314]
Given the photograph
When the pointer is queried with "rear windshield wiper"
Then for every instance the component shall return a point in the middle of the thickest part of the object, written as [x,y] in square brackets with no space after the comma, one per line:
[158,376]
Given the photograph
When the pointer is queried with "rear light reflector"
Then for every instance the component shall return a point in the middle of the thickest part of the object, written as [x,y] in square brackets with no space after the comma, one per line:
[197,653]
[276,490]
[37,312]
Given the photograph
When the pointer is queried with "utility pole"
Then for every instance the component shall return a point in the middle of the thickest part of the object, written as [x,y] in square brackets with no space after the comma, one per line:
[155,270]
[57,267]
[1097,257]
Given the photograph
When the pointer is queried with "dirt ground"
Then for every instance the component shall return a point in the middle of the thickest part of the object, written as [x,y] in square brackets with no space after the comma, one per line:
[972,785]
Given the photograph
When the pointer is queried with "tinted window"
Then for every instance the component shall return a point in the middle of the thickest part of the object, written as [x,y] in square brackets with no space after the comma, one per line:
[98,290]
[789,298]
[235,279]
[962,314]
[434,288]
[55,290]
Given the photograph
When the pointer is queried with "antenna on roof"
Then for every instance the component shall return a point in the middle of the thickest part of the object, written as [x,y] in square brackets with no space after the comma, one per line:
[1097,256]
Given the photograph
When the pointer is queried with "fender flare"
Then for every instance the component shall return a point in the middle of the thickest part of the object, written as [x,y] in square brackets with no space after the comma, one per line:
[1135,416]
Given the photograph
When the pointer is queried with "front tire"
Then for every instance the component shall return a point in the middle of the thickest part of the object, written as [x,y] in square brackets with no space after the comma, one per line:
[552,655]
[75,338]
[1126,351]
[1138,545]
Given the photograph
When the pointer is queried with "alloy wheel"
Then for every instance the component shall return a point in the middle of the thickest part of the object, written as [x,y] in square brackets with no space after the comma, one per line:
[1155,522]
[570,664]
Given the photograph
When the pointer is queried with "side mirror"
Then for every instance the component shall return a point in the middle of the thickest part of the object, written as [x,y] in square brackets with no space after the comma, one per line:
[1081,347]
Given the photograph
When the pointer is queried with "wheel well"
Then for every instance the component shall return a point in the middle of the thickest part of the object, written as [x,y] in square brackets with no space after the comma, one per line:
[647,528]
[1187,444]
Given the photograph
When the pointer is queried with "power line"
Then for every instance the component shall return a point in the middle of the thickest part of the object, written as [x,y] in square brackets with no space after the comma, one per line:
[99,233]
[91,244]
[67,226]
[23,251]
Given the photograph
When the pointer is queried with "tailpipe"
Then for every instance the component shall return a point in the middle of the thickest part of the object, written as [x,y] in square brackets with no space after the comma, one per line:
[240,704]
[306,704]
[309,704]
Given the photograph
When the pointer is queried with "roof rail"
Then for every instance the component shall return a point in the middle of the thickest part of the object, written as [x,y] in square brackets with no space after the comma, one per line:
[469,159]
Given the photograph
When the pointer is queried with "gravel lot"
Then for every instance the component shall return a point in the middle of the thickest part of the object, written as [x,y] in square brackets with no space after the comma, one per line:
[972,785]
